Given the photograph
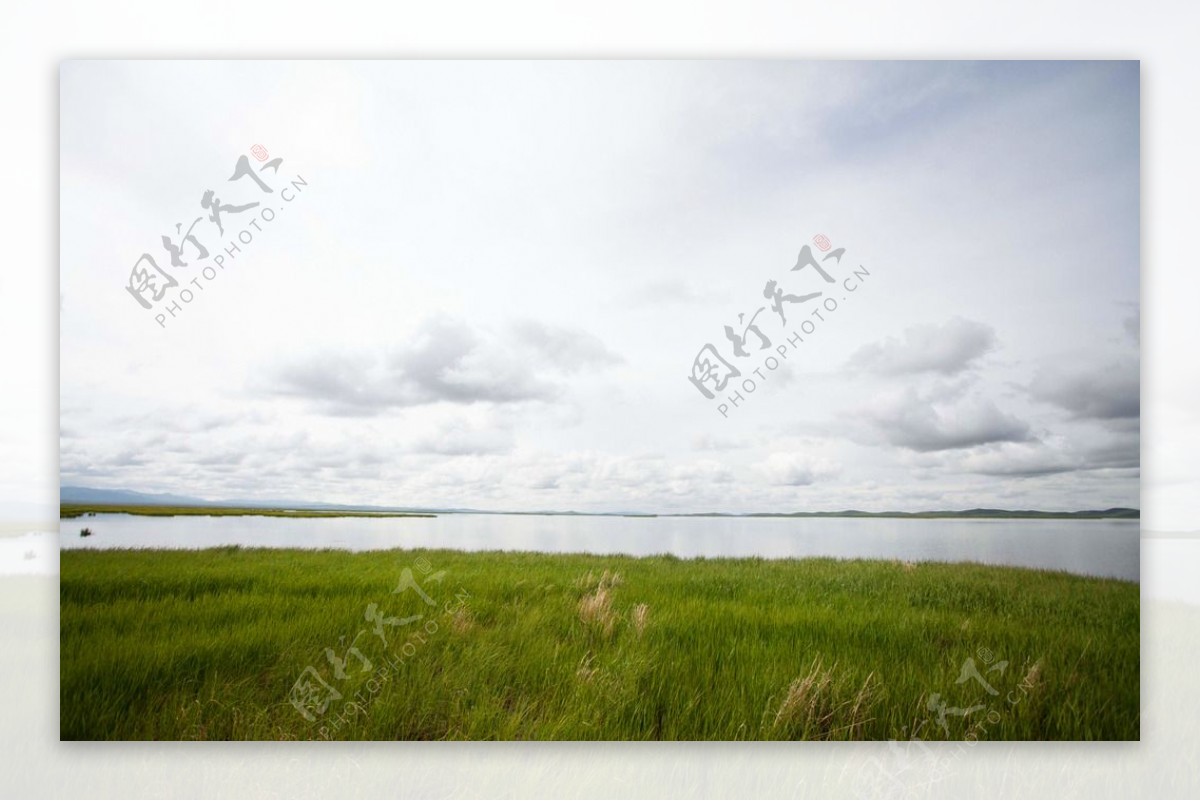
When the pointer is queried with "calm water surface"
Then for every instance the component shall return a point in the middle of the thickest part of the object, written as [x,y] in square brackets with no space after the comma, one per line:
[1091,547]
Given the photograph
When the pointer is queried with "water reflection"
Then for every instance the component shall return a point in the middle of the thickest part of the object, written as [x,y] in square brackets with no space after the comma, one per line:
[1093,547]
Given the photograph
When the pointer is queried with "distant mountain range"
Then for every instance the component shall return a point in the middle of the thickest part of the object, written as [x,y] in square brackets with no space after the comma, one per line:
[106,496]
[110,497]
[120,497]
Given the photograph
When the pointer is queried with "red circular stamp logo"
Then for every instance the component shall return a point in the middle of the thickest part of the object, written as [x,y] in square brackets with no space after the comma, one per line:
[259,152]
[822,241]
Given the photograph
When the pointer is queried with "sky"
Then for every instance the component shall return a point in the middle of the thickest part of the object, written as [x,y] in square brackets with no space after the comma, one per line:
[494,281]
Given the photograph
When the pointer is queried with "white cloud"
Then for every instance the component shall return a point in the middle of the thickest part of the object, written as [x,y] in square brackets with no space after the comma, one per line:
[500,272]
[948,349]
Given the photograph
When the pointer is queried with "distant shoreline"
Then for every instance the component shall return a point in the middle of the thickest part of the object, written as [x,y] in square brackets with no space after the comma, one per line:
[69,511]
[75,510]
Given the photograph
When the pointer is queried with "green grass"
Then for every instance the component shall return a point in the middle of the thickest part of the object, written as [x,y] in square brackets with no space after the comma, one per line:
[208,645]
[70,510]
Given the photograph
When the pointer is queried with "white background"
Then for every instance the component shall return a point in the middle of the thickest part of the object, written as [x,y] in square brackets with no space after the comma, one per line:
[35,37]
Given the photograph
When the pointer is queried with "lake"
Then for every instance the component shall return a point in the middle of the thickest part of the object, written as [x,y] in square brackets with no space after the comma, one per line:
[1089,547]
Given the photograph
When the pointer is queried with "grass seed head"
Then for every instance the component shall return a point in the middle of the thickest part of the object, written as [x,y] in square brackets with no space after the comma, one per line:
[641,618]
[595,610]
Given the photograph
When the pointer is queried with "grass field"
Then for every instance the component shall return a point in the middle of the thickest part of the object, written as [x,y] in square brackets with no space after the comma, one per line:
[288,644]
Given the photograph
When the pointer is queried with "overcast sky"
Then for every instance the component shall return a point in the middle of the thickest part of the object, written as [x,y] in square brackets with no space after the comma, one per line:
[491,285]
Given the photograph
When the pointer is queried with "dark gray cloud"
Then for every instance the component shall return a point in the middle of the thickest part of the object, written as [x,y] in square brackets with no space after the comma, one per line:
[1019,460]
[1109,391]
[450,362]
[345,384]
[942,419]
[948,349]
[1084,450]
[1121,451]
[447,362]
